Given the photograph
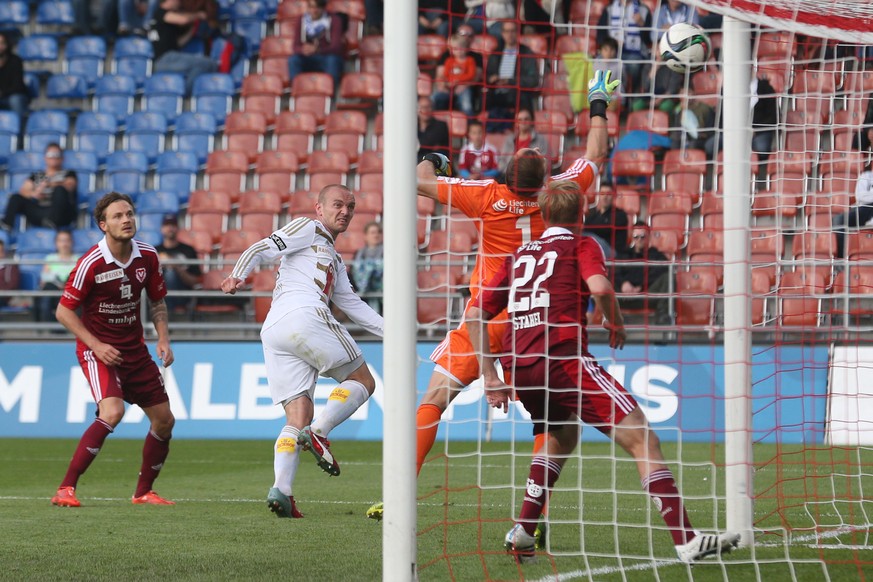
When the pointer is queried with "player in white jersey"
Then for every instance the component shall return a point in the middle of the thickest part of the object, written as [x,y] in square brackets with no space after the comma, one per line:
[302,339]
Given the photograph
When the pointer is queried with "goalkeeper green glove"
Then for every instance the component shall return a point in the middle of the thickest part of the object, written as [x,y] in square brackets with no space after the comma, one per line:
[441,164]
[600,90]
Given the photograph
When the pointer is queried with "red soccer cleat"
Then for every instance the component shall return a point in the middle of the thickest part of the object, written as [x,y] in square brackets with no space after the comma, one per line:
[66,497]
[151,498]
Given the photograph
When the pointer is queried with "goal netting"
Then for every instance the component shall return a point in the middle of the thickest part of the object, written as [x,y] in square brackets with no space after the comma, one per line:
[807,266]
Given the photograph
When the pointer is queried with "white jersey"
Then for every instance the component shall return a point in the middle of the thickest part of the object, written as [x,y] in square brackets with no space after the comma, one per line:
[311,273]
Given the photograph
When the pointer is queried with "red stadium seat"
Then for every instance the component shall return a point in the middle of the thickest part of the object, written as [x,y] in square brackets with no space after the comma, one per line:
[220,304]
[695,303]
[430,48]
[276,171]
[302,203]
[667,241]
[434,296]
[295,133]
[360,91]
[705,250]
[233,244]
[259,211]
[628,199]
[685,171]
[368,202]
[634,164]
[760,292]
[656,121]
[261,93]
[859,246]
[208,211]
[456,121]
[573,44]
[226,172]
[707,85]
[200,241]
[798,304]
[765,250]
[274,54]
[264,280]
[244,132]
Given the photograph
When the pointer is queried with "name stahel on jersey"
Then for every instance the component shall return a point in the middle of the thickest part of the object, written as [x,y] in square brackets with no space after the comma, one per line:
[311,273]
[109,292]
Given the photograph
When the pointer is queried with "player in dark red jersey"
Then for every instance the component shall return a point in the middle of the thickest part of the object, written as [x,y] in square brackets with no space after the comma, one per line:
[545,287]
[106,285]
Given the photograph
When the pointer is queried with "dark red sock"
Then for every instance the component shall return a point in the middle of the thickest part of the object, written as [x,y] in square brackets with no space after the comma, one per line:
[542,477]
[86,452]
[154,453]
[661,486]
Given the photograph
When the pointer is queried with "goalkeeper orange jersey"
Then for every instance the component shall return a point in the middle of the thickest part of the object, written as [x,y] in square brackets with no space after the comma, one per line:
[507,220]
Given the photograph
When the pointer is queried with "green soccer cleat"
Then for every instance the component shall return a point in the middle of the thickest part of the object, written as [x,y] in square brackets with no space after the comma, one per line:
[281,504]
[375,511]
[540,535]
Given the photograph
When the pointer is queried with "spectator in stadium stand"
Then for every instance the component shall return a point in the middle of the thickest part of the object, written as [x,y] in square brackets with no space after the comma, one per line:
[13,91]
[172,29]
[509,216]
[318,43]
[440,17]
[302,339]
[764,120]
[649,274]
[177,277]
[525,137]
[567,384]
[367,266]
[132,17]
[433,134]
[10,275]
[511,75]
[607,60]
[859,216]
[629,22]
[375,16]
[692,122]
[54,275]
[608,224]
[456,78]
[48,197]
[107,284]
[478,158]
[496,11]
[673,12]
[864,140]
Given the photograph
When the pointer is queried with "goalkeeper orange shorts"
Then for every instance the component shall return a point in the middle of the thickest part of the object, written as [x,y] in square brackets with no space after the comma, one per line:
[455,354]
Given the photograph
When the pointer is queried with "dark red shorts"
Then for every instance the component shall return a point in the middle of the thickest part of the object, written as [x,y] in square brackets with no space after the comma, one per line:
[137,380]
[576,387]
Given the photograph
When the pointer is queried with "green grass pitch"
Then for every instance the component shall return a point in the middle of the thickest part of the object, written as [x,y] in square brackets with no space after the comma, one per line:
[221,529]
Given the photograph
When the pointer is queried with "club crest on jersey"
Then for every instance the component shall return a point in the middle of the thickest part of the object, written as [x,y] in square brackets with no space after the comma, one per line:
[500,205]
[109,276]
[140,274]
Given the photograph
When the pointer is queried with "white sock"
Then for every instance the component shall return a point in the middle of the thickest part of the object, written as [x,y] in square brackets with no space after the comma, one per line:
[286,457]
[342,403]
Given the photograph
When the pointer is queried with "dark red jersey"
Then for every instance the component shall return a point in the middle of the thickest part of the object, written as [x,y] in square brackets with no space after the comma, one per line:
[109,292]
[543,288]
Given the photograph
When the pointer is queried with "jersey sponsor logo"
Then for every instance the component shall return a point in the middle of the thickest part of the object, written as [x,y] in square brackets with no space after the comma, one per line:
[500,205]
[339,394]
[109,276]
[277,240]
[140,274]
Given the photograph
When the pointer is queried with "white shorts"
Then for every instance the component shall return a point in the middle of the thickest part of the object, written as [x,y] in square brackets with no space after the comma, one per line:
[303,344]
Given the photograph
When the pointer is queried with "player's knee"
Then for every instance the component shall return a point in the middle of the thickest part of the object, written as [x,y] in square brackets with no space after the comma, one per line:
[163,427]
[111,415]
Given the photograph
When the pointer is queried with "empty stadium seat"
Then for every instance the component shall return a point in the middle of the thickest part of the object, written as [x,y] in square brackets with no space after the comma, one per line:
[434,296]
[234,243]
[276,171]
[14,13]
[85,238]
[259,211]
[226,172]
[295,132]
[85,165]
[273,59]
[145,132]
[213,93]
[326,168]
[263,280]
[39,52]
[244,132]
[164,93]
[176,172]
[85,56]
[799,301]
[695,301]
[195,132]
[312,93]
[152,206]
[66,86]
[261,93]
[208,212]
[95,133]
[46,126]
[685,171]
[132,56]
[656,121]
[344,131]
[55,13]
[635,167]
[115,94]
[10,128]
[360,90]
[126,172]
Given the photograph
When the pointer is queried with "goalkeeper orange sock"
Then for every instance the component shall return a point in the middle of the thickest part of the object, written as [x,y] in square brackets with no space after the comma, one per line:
[427,419]
[661,487]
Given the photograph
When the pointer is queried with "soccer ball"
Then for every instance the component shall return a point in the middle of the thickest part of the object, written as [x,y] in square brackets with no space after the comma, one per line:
[684,47]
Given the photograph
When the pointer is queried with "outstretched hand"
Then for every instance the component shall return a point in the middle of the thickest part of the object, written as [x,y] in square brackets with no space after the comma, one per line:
[601,87]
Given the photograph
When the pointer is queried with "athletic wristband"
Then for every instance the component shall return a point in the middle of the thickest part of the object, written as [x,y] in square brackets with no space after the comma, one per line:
[598,109]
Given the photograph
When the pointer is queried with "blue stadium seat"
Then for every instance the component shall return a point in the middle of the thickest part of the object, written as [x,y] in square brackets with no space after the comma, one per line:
[85,238]
[44,127]
[31,81]
[152,237]
[95,133]
[176,172]
[5,236]
[10,127]
[21,165]
[14,13]
[84,56]
[213,93]
[152,206]
[55,13]
[36,240]
[195,132]
[249,20]
[164,93]
[65,86]
[133,56]
[126,172]
[114,94]
[85,165]
[39,51]
[145,132]
[29,272]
